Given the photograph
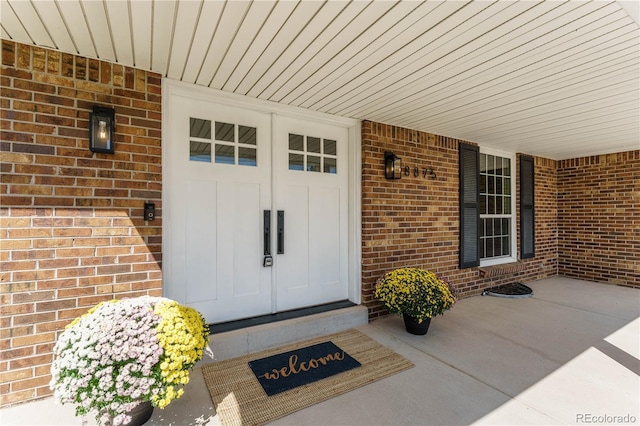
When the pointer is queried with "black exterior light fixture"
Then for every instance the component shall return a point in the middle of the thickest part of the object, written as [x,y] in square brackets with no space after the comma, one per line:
[392,166]
[102,125]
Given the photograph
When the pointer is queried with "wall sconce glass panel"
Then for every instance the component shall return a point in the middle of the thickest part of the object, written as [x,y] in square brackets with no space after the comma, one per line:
[392,166]
[102,130]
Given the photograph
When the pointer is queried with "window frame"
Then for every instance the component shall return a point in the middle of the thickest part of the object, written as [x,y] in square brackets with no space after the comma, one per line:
[513,215]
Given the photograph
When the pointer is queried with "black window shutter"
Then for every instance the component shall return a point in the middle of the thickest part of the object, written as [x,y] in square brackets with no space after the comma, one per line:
[527,216]
[469,206]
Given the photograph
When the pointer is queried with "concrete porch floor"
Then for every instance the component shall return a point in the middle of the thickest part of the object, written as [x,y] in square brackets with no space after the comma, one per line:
[568,355]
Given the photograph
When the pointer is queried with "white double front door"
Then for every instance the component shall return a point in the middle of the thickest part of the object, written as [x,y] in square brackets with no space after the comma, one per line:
[256,219]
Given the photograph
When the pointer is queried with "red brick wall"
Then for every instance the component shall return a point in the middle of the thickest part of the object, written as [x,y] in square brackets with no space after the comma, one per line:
[72,233]
[599,218]
[414,221]
[71,222]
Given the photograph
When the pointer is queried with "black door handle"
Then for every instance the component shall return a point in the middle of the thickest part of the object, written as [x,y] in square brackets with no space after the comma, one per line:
[280,231]
[267,260]
[267,232]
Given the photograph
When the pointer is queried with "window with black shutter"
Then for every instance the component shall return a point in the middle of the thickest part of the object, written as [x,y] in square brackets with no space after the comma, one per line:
[488,209]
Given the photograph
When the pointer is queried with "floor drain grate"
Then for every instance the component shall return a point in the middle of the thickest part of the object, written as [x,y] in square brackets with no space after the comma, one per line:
[513,290]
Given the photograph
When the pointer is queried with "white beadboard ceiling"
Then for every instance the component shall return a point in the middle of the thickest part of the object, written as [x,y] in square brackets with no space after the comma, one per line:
[559,79]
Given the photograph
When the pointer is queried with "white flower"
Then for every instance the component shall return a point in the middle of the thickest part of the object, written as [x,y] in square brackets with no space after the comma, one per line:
[105,361]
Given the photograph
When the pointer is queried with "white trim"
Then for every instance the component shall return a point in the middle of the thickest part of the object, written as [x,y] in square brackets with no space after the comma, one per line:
[513,215]
[172,88]
[274,199]
[167,217]
[355,215]
[206,93]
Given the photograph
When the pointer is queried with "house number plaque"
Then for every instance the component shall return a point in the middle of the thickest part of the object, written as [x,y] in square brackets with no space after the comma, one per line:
[416,172]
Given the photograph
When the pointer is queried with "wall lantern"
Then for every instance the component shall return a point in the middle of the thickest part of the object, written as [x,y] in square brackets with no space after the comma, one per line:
[102,124]
[392,166]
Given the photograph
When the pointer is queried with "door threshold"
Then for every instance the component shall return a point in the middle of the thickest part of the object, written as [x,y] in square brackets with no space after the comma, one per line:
[280,316]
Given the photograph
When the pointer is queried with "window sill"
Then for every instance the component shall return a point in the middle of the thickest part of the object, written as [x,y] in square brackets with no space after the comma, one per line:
[504,269]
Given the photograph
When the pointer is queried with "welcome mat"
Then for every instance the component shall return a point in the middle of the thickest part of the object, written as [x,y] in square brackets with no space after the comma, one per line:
[240,399]
[281,372]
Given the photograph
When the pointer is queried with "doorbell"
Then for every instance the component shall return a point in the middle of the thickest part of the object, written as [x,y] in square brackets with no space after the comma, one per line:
[149,211]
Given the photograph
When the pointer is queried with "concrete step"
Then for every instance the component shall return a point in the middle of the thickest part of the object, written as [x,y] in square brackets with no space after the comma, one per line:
[248,340]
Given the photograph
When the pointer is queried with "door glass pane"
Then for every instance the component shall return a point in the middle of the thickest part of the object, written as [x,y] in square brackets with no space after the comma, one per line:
[225,132]
[200,151]
[315,154]
[199,128]
[313,163]
[296,142]
[247,135]
[330,165]
[224,154]
[296,162]
[330,147]
[247,156]
[313,144]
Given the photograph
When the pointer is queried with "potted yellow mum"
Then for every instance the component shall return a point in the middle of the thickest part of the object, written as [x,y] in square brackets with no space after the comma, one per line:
[124,357]
[417,294]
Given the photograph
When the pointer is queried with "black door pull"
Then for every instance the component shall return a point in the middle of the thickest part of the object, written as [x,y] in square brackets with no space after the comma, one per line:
[280,231]
[267,260]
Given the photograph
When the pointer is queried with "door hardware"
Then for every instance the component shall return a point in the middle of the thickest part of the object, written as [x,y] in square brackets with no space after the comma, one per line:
[267,261]
[280,231]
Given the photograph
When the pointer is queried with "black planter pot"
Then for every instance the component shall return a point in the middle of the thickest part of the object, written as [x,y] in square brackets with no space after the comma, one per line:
[140,414]
[413,327]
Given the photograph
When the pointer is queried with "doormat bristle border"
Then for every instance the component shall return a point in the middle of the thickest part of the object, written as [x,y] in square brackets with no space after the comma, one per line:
[512,290]
[239,399]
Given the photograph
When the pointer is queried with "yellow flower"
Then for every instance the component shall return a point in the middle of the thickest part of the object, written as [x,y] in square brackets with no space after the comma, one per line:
[417,292]
[183,335]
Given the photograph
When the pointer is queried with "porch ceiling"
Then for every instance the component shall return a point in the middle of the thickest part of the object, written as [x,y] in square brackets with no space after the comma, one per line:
[559,79]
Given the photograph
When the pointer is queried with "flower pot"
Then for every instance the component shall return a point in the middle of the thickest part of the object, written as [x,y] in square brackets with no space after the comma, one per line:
[140,414]
[413,327]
